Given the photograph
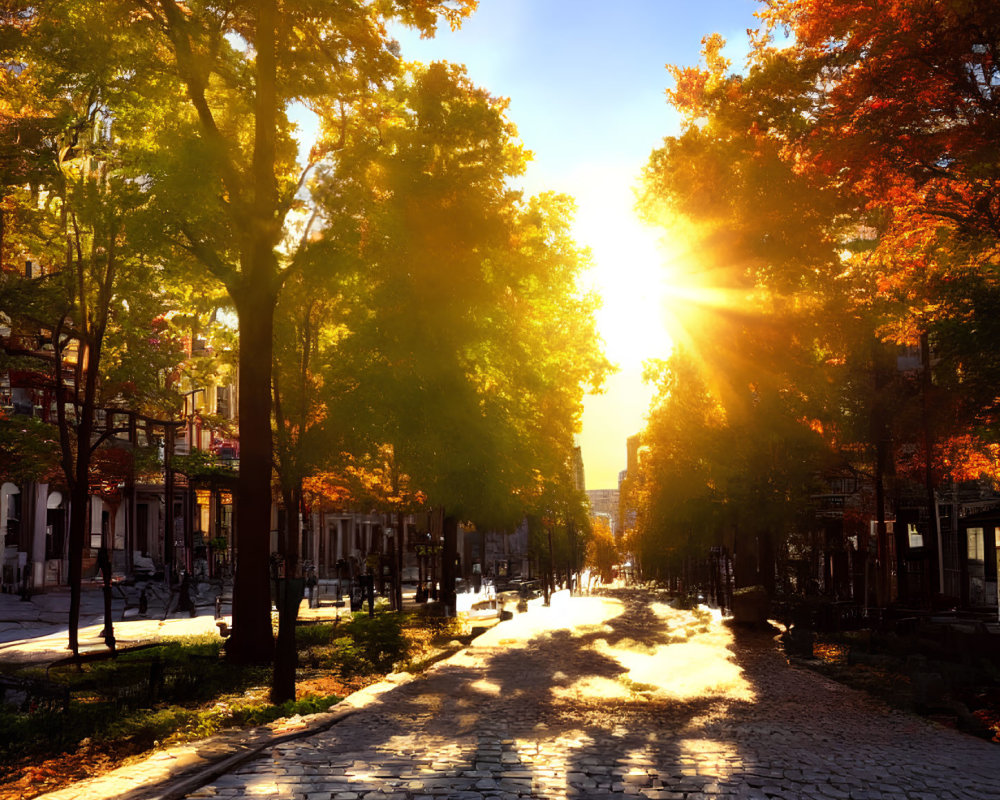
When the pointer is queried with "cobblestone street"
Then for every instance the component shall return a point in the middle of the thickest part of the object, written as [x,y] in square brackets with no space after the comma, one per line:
[597,697]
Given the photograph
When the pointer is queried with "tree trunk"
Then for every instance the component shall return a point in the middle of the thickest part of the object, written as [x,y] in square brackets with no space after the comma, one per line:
[932,577]
[169,443]
[482,553]
[289,598]
[728,579]
[79,481]
[902,570]
[742,559]
[104,560]
[255,296]
[881,531]
[190,508]
[550,572]
[398,560]
[77,538]
[448,554]
[252,640]
[292,499]
[574,564]
[766,564]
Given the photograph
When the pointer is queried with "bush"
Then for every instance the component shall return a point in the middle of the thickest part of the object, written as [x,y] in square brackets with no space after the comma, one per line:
[111,699]
[307,636]
[380,639]
[362,646]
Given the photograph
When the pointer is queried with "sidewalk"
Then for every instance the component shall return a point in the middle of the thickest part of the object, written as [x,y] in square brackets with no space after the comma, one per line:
[36,630]
[177,771]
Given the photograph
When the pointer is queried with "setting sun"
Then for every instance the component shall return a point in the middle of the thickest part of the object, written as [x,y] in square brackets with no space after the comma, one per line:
[630,272]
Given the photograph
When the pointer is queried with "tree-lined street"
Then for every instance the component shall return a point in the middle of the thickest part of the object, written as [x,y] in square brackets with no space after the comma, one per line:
[289,308]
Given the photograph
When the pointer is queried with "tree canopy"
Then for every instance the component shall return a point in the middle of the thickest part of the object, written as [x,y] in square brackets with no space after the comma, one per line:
[842,194]
[469,344]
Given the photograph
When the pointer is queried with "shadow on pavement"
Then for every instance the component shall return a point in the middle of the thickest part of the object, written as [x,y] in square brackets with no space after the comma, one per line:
[590,706]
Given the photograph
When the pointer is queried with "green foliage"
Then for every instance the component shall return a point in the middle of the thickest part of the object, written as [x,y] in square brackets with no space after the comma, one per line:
[363,646]
[148,727]
[29,450]
[147,463]
[201,465]
[467,343]
[200,96]
[706,473]
[184,670]
[775,365]
[840,202]
[307,636]
[193,674]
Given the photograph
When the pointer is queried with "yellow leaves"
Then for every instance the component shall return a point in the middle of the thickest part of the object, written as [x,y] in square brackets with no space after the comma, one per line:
[424,14]
[689,88]
[711,51]
[815,425]
[376,178]
[693,85]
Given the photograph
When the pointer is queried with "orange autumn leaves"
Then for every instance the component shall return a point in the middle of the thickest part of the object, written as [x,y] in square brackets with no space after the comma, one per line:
[373,483]
[849,171]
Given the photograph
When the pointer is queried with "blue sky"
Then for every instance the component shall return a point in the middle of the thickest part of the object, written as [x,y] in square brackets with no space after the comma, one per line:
[586,83]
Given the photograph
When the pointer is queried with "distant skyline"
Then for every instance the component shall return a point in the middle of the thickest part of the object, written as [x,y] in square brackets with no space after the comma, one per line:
[586,86]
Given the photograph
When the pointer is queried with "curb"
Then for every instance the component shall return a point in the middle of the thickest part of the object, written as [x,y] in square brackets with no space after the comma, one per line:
[192,779]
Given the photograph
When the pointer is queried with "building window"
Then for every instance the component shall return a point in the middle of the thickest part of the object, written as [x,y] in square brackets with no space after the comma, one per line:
[99,535]
[974,539]
[222,402]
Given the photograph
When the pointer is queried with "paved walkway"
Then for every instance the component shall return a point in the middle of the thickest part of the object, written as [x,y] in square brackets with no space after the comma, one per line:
[601,697]
[36,631]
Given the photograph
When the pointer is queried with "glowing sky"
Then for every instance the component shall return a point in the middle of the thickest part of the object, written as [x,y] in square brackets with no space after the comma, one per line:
[586,81]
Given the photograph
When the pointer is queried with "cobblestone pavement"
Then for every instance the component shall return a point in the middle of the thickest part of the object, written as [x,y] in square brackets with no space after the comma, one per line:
[601,697]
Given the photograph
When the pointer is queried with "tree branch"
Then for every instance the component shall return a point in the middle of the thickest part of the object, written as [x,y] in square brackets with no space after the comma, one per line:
[207,256]
[175,27]
[66,452]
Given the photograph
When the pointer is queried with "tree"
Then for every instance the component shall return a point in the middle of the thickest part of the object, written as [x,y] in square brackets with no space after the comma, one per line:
[468,343]
[846,182]
[29,449]
[680,501]
[84,298]
[766,334]
[905,116]
[602,552]
[906,113]
[309,318]
[203,94]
